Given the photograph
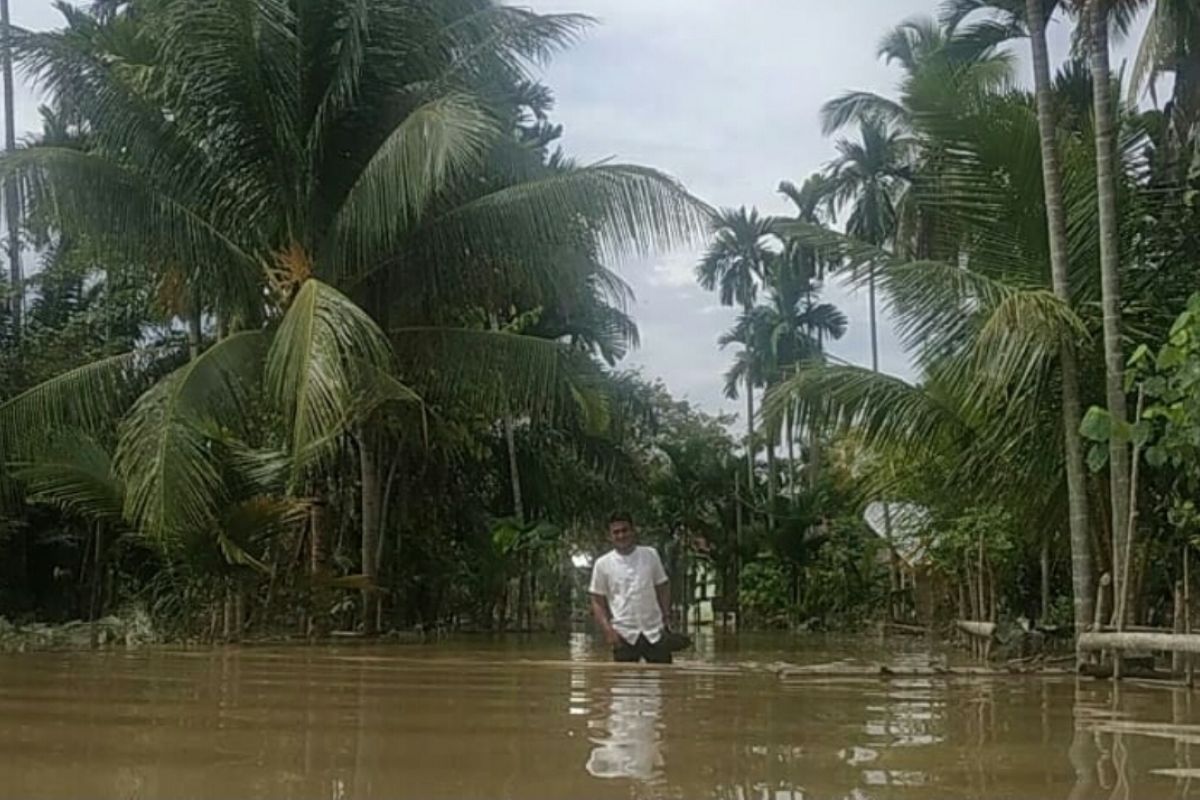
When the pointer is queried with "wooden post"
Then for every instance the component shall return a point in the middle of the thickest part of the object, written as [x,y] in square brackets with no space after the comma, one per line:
[1177,627]
[1098,621]
[1187,610]
[1044,564]
[1101,595]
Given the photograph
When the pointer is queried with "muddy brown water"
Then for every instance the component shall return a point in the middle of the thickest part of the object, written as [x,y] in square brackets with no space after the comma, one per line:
[549,718]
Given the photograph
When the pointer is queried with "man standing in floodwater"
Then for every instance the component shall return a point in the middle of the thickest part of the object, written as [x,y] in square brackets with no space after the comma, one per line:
[631,596]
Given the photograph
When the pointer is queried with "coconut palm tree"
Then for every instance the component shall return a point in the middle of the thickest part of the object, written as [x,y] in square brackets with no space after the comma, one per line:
[734,265]
[275,160]
[933,57]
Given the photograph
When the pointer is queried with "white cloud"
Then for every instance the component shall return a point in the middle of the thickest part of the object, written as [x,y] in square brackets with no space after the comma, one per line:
[676,270]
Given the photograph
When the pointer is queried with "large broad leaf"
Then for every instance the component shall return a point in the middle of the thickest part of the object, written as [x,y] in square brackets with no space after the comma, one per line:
[164,454]
[1097,425]
[321,352]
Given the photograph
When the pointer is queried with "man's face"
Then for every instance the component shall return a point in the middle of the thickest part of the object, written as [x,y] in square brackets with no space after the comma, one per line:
[622,536]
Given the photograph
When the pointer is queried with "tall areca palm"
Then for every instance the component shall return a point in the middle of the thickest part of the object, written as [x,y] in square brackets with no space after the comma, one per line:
[812,202]
[778,338]
[1032,16]
[265,153]
[869,177]
[734,266]
[1096,19]
[797,329]
[1037,12]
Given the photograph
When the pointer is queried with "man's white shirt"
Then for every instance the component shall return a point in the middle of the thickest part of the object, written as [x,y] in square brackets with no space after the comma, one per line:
[628,582]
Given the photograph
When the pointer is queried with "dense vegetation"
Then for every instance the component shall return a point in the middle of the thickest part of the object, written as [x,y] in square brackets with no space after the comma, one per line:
[326,330]
[1031,246]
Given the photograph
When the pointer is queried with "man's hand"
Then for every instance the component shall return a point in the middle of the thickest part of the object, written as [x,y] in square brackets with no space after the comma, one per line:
[610,636]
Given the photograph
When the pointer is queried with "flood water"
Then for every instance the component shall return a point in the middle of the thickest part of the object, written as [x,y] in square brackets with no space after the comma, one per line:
[551,719]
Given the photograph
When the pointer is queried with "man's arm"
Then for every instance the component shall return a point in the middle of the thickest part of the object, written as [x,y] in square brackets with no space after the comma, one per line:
[600,612]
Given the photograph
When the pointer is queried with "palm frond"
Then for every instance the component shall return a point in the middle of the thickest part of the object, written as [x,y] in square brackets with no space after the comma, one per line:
[432,146]
[89,398]
[630,210]
[316,360]
[121,207]
[886,412]
[164,457]
[1022,335]
[75,474]
[506,373]
[855,107]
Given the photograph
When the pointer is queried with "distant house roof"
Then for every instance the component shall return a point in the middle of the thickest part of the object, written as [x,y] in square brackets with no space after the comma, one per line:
[911,532]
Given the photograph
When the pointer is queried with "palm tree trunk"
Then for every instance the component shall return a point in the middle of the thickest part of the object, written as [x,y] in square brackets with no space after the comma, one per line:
[772,474]
[514,474]
[750,436]
[790,427]
[195,329]
[1110,262]
[874,322]
[1082,578]
[371,528]
[317,549]
[514,477]
[749,411]
[12,217]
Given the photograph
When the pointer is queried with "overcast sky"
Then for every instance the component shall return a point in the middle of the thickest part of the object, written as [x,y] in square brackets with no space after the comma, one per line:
[724,95]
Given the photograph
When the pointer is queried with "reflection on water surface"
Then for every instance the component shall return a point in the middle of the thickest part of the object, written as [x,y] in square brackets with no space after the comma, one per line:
[551,719]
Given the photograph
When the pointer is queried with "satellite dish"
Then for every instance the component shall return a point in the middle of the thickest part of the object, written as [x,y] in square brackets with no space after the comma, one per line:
[904,526]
